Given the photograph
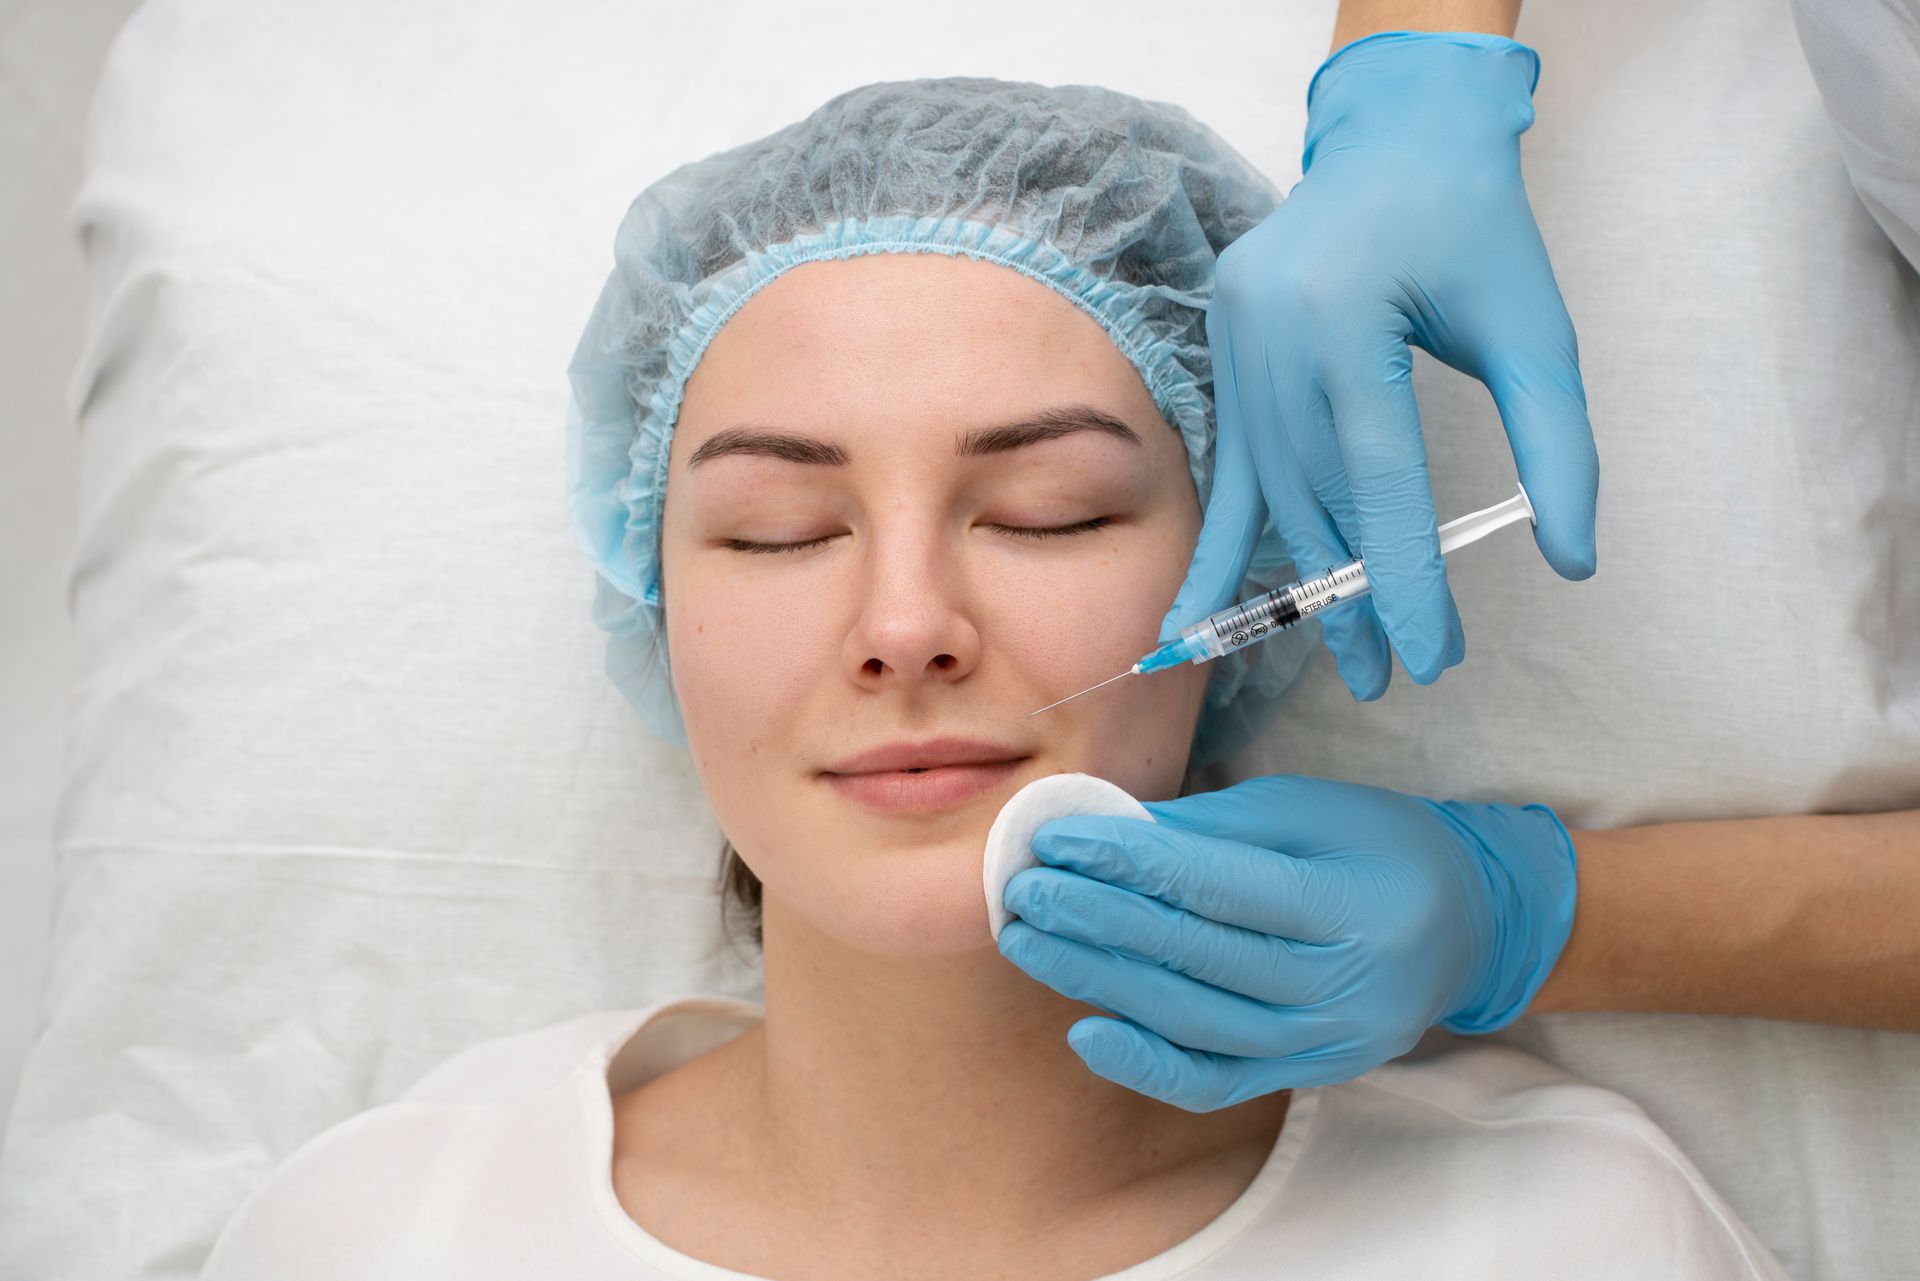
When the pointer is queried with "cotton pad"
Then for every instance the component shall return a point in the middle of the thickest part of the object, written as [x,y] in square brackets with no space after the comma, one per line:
[1010,839]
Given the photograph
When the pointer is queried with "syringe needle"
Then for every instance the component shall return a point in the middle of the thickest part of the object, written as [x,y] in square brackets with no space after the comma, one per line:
[1088,690]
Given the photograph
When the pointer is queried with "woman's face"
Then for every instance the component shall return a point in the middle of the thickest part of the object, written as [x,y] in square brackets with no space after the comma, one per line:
[913,611]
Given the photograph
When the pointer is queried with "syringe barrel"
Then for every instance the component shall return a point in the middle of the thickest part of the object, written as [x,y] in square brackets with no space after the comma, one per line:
[1276,611]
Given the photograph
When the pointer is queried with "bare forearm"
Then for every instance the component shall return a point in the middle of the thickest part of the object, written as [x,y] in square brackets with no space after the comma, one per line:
[1359,18]
[1814,918]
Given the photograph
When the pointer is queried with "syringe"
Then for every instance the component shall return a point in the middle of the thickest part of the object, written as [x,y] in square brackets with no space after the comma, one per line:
[1284,607]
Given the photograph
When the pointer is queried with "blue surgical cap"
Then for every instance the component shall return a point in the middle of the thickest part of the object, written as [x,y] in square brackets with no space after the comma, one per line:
[1121,206]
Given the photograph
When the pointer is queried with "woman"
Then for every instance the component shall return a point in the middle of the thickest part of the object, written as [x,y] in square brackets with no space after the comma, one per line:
[906,393]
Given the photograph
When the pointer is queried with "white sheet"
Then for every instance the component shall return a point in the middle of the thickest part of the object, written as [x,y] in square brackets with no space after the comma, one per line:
[347,791]
[43,102]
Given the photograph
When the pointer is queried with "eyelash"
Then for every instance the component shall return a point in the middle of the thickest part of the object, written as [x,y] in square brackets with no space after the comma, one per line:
[1021,531]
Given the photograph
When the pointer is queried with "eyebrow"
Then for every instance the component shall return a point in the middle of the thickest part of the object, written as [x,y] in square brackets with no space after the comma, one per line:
[1048,424]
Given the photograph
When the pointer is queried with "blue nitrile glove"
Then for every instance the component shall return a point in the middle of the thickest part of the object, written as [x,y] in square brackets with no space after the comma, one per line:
[1288,931]
[1410,224]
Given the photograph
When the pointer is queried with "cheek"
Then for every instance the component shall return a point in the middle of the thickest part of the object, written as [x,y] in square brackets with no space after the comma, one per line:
[1074,620]
[737,658]
[1081,623]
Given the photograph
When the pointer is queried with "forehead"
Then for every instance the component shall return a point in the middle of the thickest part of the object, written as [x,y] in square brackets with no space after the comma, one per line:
[884,339]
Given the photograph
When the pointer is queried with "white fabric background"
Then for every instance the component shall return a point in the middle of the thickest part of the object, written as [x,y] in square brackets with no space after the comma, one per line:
[50,55]
[346,789]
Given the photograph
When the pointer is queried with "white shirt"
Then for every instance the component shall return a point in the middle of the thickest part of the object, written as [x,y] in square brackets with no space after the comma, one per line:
[1478,1161]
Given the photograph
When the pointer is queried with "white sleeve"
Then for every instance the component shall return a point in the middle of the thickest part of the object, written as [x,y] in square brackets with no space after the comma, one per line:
[1548,1175]
[1865,56]
[335,1210]
[1654,1213]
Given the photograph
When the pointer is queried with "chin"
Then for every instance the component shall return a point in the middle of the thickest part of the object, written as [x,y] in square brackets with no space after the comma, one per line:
[919,901]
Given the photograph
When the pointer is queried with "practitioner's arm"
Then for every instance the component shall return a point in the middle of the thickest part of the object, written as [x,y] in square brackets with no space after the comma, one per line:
[1814,918]
[1359,18]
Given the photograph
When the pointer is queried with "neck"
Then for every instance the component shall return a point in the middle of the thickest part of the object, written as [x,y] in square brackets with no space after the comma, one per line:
[920,1087]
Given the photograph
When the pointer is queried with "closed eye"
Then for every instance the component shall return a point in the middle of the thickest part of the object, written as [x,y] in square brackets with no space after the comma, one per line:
[1018,531]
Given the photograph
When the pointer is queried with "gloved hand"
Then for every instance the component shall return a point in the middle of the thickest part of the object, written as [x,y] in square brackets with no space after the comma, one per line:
[1410,224]
[1288,931]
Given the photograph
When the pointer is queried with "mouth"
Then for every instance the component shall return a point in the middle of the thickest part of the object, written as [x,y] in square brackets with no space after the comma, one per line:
[924,789]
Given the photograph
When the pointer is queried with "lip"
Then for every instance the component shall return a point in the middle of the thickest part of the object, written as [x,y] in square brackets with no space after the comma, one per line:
[926,755]
[953,771]
[939,787]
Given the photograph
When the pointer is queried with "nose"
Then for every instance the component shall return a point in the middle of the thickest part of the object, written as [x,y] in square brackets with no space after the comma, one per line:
[916,623]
